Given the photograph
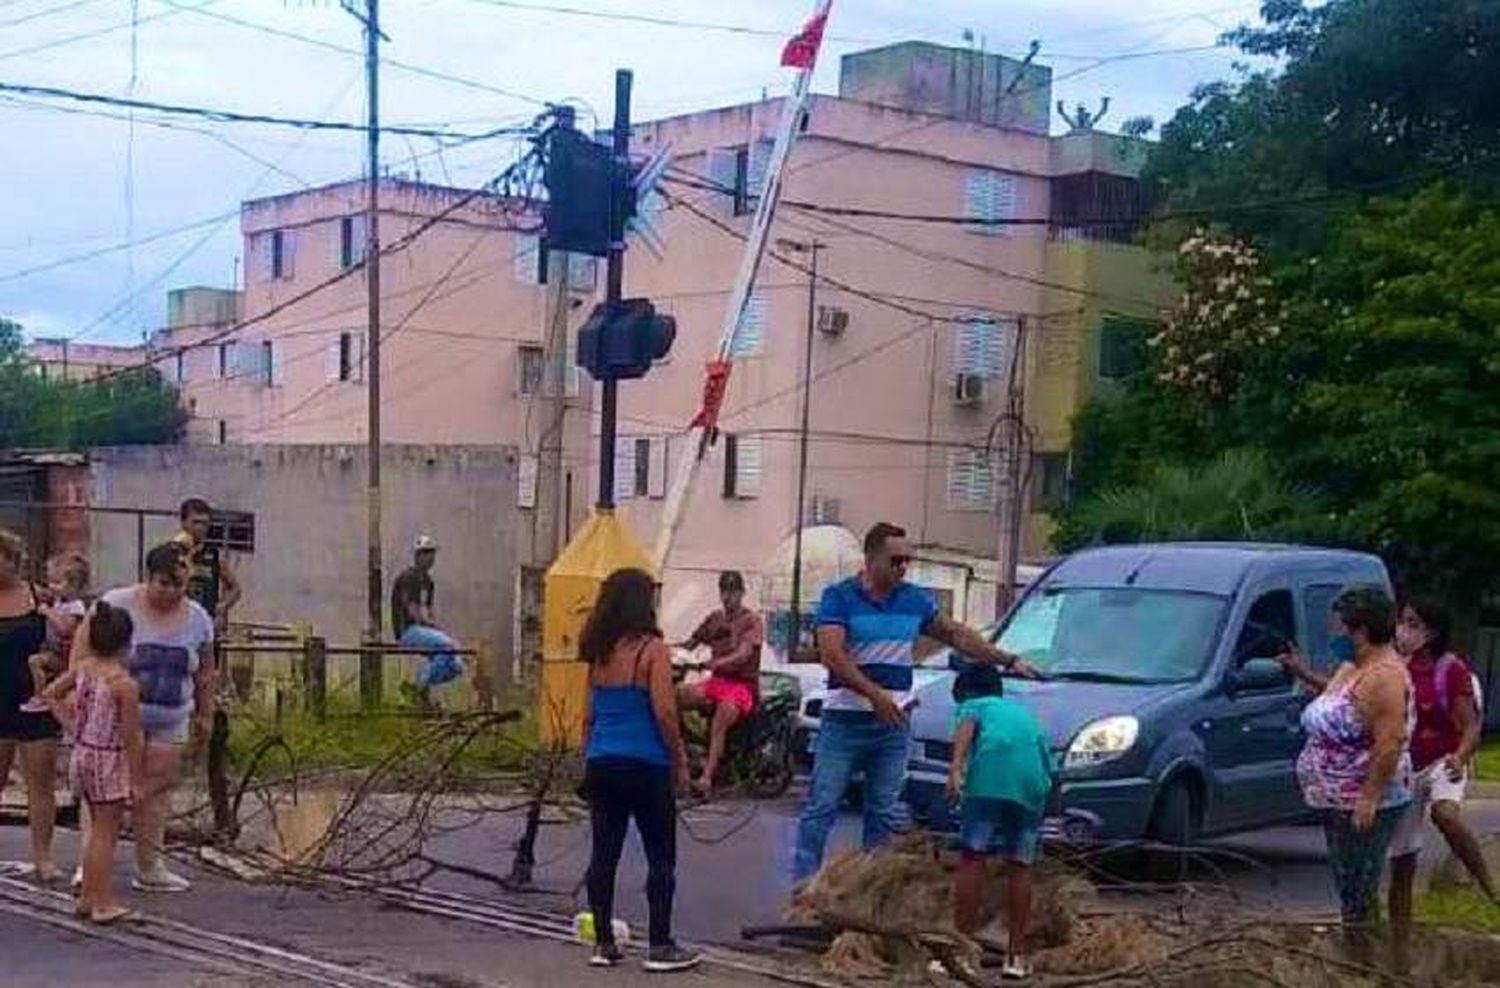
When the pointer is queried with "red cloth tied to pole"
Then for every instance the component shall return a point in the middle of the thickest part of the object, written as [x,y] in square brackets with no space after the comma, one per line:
[802,51]
[714,386]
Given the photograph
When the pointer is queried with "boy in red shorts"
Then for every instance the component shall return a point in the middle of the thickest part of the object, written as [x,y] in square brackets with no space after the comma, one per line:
[733,635]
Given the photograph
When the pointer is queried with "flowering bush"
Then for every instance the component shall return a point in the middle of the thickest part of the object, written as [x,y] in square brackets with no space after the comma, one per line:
[1227,309]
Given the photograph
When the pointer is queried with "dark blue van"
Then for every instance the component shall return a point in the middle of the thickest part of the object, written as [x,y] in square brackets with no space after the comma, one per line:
[1168,713]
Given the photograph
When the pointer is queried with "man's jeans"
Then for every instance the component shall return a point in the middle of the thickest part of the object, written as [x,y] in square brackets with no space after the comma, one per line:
[846,747]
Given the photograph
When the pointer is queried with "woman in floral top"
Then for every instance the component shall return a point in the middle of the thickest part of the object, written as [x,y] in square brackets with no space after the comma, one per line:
[1355,768]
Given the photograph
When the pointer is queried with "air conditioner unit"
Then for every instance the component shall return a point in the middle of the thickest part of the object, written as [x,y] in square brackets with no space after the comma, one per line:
[832,320]
[825,510]
[968,389]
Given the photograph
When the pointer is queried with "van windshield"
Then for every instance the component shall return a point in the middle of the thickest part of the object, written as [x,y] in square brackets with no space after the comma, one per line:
[1115,634]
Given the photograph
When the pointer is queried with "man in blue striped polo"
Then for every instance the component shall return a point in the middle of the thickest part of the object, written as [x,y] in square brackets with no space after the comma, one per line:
[867,626]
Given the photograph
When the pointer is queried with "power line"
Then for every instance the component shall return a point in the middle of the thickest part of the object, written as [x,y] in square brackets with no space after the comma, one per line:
[96,33]
[39,14]
[330,46]
[116,248]
[233,116]
[670,22]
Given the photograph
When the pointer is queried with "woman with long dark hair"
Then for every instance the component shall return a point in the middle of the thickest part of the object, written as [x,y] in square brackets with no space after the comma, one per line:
[1442,748]
[34,733]
[636,762]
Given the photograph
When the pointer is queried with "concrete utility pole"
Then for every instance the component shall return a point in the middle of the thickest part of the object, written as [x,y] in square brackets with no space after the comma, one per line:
[549,508]
[1012,489]
[614,290]
[370,664]
[811,249]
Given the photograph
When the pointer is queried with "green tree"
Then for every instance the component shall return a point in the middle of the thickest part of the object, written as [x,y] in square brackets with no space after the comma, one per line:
[1377,395]
[1375,97]
[125,408]
[1239,495]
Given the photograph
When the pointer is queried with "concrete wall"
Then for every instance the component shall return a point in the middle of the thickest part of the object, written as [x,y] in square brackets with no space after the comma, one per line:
[309,558]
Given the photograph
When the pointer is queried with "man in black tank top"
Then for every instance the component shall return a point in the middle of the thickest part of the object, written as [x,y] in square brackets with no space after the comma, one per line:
[211,581]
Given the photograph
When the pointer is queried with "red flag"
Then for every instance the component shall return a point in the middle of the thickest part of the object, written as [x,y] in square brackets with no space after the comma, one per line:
[802,51]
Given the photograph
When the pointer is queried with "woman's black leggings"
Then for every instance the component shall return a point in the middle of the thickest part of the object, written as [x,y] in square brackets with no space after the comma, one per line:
[619,789]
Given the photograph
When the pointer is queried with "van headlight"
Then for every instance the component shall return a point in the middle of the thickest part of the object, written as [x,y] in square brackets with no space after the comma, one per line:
[1102,741]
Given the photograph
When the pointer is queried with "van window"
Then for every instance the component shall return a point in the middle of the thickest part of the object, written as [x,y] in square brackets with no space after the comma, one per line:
[1317,609]
[1116,634]
[1270,622]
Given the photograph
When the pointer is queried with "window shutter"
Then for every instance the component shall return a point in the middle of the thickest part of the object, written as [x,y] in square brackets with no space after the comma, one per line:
[971,480]
[750,338]
[263,248]
[989,196]
[526,481]
[528,259]
[288,254]
[624,468]
[357,355]
[658,479]
[747,467]
[334,360]
[755,175]
[583,273]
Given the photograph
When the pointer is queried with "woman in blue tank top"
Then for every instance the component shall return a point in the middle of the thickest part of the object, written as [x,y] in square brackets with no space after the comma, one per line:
[636,761]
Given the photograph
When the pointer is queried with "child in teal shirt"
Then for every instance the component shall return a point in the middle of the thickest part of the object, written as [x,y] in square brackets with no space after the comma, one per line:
[1002,767]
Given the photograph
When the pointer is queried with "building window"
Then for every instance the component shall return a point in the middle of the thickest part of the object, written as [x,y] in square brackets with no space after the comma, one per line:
[750,338]
[232,530]
[223,432]
[742,466]
[268,366]
[281,255]
[642,480]
[1049,481]
[1122,348]
[178,370]
[351,241]
[532,370]
[989,198]
[983,346]
[971,480]
[528,259]
[224,359]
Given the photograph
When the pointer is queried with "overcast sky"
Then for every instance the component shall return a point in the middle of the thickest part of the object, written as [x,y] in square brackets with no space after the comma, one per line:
[72,184]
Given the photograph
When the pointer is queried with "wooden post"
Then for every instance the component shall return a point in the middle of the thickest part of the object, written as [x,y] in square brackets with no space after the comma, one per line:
[371,675]
[315,676]
[484,675]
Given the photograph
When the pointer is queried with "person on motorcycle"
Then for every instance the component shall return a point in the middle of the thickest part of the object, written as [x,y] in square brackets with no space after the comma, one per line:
[733,634]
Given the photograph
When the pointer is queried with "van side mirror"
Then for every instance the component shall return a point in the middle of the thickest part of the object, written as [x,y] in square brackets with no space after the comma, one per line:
[1259,674]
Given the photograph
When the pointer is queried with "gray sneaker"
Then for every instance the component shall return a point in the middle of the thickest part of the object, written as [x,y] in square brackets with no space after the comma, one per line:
[160,879]
[606,955]
[670,958]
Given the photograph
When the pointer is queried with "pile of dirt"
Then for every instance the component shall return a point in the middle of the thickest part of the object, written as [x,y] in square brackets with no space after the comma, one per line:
[886,901]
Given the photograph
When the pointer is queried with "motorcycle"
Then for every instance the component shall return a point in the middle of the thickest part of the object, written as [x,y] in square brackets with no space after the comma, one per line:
[759,751]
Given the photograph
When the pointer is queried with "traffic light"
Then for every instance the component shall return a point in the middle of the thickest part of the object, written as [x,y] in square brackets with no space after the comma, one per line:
[621,341]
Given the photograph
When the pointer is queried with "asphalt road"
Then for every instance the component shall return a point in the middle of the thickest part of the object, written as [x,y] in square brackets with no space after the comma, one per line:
[733,871]
[734,863]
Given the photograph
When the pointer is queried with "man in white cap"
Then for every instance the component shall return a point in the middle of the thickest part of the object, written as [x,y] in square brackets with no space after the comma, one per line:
[412,593]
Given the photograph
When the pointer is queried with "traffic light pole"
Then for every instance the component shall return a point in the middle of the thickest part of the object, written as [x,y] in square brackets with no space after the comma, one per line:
[614,290]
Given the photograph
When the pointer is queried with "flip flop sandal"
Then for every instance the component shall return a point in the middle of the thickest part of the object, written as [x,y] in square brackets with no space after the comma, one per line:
[112,917]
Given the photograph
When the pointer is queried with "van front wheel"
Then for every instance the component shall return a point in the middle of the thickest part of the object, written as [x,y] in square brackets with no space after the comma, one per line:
[1174,820]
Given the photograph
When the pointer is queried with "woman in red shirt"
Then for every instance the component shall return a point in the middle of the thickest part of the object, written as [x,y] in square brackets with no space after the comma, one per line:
[1442,748]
